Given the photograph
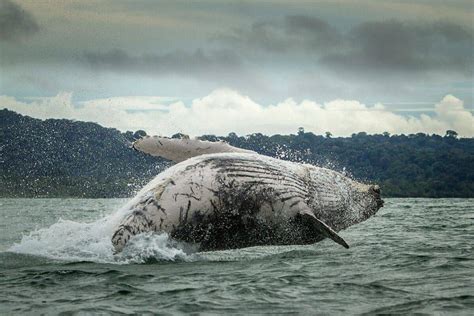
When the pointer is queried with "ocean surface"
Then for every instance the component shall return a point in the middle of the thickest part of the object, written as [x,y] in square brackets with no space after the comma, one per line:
[413,256]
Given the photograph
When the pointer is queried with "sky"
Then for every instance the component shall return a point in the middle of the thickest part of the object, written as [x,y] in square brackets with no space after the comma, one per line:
[215,67]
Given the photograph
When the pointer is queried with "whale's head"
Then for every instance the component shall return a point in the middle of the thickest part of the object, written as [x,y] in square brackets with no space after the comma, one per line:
[341,201]
[364,201]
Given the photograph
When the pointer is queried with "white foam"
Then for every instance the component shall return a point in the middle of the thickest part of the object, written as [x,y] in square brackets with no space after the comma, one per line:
[75,241]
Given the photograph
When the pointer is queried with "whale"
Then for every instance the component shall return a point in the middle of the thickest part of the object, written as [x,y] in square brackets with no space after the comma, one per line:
[219,197]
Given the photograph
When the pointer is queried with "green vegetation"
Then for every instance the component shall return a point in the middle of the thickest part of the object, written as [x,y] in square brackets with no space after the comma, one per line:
[57,158]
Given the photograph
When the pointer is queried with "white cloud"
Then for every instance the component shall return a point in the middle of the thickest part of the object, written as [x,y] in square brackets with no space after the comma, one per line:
[130,103]
[225,110]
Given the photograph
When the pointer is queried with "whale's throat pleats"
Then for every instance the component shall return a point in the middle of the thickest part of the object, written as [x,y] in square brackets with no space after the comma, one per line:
[287,186]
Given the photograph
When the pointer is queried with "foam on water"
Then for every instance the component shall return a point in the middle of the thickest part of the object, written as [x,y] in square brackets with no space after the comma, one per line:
[78,241]
[73,241]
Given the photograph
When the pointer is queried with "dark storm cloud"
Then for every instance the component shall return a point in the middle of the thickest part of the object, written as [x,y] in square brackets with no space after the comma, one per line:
[295,32]
[15,22]
[178,62]
[397,46]
[452,32]
[371,46]
[314,32]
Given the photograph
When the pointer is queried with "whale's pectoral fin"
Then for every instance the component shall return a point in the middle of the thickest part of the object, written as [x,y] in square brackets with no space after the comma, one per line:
[322,228]
[180,149]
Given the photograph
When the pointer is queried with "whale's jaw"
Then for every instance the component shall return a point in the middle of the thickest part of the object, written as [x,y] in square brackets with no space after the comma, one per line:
[374,202]
[376,193]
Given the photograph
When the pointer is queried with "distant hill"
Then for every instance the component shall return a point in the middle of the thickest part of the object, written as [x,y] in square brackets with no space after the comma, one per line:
[56,158]
[67,158]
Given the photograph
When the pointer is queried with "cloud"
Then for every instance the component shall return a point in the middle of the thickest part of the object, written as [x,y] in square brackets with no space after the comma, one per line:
[389,46]
[111,112]
[177,62]
[134,103]
[292,33]
[224,111]
[451,111]
[397,46]
[186,70]
[15,22]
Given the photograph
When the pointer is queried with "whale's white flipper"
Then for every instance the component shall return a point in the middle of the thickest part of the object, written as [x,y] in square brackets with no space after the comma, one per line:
[322,228]
[178,150]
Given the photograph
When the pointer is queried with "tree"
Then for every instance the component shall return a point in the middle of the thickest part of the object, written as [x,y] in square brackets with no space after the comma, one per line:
[451,133]
[328,134]
[233,135]
[139,134]
[180,136]
[129,136]
[300,131]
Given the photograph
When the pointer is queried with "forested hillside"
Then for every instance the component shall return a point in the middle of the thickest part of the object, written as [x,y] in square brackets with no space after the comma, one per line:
[56,158]
[66,158]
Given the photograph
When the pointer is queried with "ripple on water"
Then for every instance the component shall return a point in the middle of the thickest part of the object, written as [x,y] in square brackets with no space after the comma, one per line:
[414,256]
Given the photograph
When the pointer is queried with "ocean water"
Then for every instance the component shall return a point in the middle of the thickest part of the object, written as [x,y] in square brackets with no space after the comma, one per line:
[413,256]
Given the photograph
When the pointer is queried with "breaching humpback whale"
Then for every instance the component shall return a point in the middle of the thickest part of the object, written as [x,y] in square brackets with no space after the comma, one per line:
[223,197]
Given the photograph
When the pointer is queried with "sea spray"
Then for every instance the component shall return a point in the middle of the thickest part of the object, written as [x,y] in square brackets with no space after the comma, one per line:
[75,241]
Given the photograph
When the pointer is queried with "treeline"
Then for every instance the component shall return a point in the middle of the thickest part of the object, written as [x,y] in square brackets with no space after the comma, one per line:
[57,158]
[416,165]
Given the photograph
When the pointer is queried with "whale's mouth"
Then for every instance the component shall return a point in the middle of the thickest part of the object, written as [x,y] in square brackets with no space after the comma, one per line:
[376,193]
[380,203]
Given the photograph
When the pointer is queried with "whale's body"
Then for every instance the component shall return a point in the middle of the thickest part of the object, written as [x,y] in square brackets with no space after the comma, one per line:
[234,200]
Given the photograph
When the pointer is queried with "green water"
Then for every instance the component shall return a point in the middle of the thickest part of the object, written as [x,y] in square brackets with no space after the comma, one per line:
[414,256]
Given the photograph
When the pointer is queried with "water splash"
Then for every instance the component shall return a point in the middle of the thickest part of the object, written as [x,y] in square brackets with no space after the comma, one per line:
[151,247]
[75,241]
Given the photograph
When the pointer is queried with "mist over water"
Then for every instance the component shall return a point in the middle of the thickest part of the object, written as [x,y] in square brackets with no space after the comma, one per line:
[414,255]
